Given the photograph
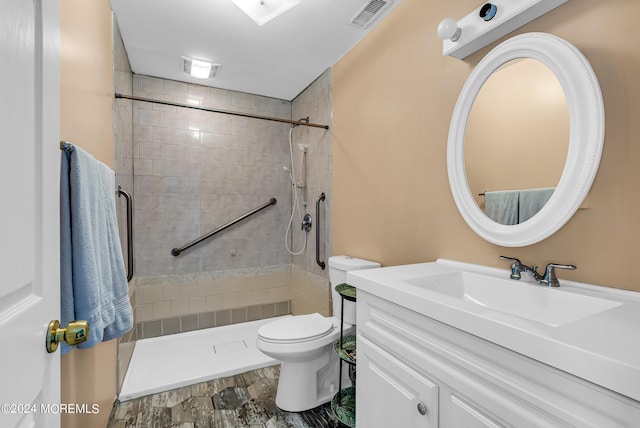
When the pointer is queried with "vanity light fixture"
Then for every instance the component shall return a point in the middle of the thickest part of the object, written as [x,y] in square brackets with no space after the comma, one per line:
[449,30]
[263,11]
[489,22]
[488,11]
[200,69]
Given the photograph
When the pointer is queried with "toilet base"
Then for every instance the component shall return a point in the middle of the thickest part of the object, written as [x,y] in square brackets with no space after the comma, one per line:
[303,386]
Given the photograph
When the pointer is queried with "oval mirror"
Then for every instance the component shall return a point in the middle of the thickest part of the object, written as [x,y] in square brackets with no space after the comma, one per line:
[519,121]
[564,154]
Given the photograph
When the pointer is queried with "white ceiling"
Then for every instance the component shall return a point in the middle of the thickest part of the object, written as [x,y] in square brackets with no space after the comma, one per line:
[278,59]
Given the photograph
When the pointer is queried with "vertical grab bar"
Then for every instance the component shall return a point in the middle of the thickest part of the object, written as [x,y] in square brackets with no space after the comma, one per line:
[129,201]
[320,198]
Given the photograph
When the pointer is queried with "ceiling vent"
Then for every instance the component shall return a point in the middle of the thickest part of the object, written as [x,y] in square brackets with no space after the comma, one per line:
[368,12]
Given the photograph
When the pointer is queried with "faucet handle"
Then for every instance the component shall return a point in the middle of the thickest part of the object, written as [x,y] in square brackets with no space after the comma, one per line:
[515,267]
[561,266]
[550,277]
[510,258]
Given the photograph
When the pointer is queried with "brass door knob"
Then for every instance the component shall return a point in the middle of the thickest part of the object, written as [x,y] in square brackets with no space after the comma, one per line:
[75,332]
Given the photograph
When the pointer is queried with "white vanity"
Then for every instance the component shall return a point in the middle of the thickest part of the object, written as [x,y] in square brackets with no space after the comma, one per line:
[455,345]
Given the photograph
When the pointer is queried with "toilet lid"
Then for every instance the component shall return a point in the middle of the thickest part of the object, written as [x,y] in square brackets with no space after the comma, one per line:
[296,328]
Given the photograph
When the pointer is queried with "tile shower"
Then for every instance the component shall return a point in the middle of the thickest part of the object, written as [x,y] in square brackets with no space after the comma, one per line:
[190,172]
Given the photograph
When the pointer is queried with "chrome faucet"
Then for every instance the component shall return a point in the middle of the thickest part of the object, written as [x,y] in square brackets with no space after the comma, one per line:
[549,278]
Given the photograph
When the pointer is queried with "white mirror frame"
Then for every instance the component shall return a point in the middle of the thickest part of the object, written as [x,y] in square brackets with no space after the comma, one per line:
[586,138]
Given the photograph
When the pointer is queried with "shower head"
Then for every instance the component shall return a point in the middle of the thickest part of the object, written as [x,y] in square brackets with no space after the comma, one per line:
[286,169]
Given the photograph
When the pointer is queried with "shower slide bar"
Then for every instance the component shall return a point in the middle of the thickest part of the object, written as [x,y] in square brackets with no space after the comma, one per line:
[233,113]
[320,198]
[66,146]
[176,251]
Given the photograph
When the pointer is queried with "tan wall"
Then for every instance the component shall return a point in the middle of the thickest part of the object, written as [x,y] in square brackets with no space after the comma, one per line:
[393,95]
[86,116]
[86,77]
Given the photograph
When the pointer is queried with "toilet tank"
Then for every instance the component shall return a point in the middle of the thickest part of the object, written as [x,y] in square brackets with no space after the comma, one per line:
[338,268]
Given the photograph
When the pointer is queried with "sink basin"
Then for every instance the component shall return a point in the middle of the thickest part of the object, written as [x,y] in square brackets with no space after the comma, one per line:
[550,306]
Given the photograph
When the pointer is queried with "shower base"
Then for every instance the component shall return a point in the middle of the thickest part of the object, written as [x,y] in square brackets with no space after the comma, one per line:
[167,362]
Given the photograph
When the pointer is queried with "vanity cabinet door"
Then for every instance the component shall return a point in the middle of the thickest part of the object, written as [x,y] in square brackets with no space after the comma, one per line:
[392,394]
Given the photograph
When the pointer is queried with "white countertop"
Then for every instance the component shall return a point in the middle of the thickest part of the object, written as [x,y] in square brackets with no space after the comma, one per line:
[603,348]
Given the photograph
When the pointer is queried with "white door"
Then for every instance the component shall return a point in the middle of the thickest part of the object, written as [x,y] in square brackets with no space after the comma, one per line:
[29,197]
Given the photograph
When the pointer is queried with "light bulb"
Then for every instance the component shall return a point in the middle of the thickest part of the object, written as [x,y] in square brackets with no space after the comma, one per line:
[200,69]
[448,29]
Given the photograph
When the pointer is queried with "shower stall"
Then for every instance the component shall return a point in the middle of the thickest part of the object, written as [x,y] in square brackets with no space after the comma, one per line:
[191,171]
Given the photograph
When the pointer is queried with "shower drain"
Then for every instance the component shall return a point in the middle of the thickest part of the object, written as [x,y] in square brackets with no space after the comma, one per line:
[231,346]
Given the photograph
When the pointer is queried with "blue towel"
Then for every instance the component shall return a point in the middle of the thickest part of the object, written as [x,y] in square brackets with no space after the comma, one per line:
[93,282]
[532,201]
[502,206]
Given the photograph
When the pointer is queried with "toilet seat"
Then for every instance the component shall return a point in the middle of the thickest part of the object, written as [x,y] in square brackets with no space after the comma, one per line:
[301,328]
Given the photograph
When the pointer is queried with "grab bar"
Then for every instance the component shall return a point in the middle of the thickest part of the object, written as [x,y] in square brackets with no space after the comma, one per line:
[320,198]
[129,201]
[176,251]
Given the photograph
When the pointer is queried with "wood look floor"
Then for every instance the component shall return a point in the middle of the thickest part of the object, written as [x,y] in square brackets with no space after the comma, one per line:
[246,400]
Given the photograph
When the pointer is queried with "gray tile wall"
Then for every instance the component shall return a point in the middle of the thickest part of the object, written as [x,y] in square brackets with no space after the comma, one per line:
[123,140]
[195,171]
[192,171]
[122,128]
[311,283]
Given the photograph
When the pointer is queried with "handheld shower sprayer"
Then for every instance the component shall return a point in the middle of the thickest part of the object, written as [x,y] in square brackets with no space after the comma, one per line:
[295,201]
[291,177]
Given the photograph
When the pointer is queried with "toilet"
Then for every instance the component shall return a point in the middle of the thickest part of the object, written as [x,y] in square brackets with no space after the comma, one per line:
[303,344]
